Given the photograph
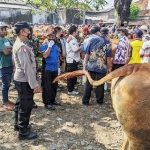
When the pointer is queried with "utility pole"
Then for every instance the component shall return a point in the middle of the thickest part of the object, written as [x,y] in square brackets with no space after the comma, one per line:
[83,17]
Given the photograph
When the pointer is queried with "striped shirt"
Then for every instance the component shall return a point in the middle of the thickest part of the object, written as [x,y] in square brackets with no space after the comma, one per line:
[145,52]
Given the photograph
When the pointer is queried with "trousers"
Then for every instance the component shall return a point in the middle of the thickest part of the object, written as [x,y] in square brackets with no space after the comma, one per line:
[50,89]
[72,81]
[5,75]
[99,89]
[24,104]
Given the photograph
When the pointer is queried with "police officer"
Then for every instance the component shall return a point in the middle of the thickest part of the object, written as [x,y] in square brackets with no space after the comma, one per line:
[25,81]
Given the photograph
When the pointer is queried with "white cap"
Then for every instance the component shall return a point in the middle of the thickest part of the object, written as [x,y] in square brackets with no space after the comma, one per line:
[125,22]
[2,25]
[144,28]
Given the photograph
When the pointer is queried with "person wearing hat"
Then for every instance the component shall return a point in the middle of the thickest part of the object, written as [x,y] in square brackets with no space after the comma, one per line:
[100,24]
[6,66]
[25,81]
[83,34]
[136,45]
[97,63]
[125,24]
[123,50]
[146,36]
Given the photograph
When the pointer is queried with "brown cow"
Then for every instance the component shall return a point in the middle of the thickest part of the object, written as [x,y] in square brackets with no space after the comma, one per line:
[130,92]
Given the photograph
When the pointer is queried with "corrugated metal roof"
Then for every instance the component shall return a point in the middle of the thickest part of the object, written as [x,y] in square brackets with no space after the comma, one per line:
[111,21]
[93,17]
[14,6]
[103,10]
[13,2]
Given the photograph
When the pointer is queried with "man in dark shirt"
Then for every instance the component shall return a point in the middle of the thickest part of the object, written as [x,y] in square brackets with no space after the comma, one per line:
[98,63]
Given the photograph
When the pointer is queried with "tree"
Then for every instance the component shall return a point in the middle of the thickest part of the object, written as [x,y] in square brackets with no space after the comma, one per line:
[123,9]
[134,11]
[42,6]
[122,6]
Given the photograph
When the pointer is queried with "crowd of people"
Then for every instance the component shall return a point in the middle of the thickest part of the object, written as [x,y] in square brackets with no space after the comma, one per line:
[62,49]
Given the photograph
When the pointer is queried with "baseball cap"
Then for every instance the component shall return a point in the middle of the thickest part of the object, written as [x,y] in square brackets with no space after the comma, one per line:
[104,30]
[124,30]
[143,27]
[100,23]
[85,28]
[125,22]
[138,32]
[3,25]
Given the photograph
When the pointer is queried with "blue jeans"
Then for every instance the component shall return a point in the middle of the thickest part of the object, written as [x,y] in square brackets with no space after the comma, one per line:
[5,75]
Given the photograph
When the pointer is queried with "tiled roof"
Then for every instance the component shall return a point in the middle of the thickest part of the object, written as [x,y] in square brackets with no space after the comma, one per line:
[145,13]
[140,22]
[143,4]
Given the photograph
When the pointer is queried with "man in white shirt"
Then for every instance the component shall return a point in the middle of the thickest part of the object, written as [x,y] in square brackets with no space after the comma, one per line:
[145,52]
[146,36]
[72,58]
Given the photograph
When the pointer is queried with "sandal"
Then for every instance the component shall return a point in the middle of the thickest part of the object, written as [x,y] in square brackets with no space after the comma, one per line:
[8,102]
[9,107]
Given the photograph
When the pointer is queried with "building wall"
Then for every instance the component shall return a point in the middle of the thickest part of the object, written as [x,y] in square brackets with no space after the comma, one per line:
[101,16]
[111,14]
[38,18]
[74,16]
[53,18]
[8,15]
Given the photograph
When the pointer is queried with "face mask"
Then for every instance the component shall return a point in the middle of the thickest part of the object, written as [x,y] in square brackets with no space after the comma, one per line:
[119,35]
[61,35]
[29,36]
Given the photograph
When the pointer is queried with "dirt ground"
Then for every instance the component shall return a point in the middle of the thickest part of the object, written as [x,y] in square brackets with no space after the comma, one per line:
[70,127]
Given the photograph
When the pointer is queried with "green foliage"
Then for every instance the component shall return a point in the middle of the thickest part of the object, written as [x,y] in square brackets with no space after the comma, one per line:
[134,11]
[46,6]
[115,14]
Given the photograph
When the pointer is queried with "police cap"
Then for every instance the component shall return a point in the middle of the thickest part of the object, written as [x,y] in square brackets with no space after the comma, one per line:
[21,25]
[3,25]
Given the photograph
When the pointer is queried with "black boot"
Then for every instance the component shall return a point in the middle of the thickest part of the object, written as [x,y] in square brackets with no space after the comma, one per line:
[26,134]
[16,127]
[23,123]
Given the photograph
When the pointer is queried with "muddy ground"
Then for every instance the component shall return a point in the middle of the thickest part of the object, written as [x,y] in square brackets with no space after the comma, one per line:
[89,128]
